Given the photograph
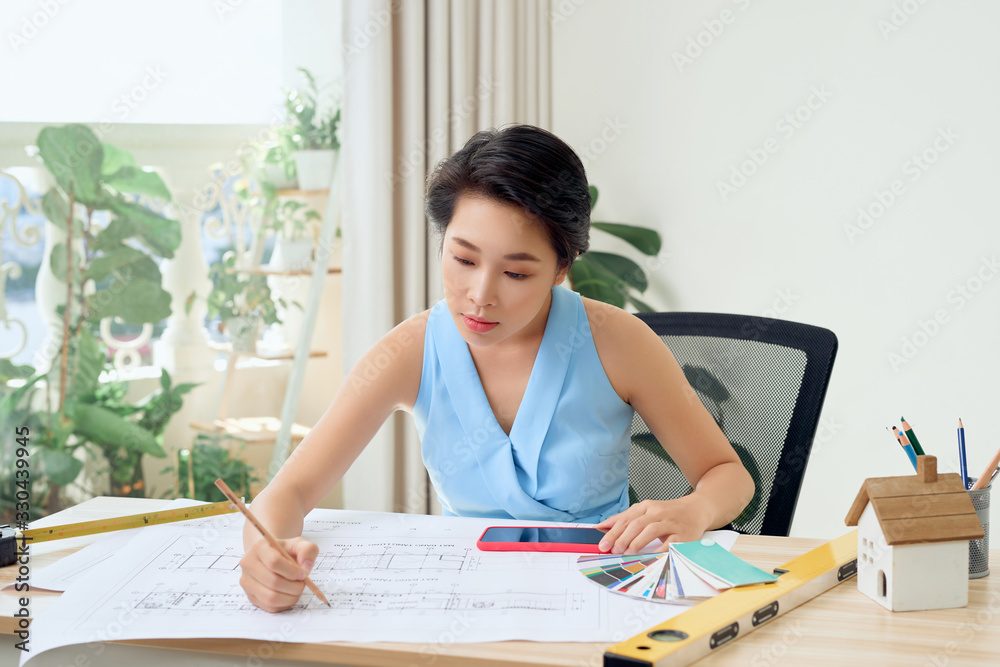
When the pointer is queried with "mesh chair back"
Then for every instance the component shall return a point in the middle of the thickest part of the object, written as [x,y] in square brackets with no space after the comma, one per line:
[764,381]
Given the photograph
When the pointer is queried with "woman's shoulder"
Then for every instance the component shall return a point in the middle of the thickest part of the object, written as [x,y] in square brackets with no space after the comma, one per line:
[398,357]
[611,325]
[623,342]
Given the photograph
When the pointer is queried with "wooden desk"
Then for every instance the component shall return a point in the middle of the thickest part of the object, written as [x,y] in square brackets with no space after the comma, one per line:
[840,627]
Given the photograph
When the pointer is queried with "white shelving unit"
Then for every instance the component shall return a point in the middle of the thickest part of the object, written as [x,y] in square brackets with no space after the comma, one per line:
[281,433]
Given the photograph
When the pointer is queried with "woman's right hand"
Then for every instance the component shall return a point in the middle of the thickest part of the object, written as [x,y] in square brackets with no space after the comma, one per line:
[270,580]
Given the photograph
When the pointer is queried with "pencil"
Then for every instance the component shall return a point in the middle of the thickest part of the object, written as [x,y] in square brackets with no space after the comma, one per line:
[910,454]
[988,474]
[912,437]
[963,463]
[267,536]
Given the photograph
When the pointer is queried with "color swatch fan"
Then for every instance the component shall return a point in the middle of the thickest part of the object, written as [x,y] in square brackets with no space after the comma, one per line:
[643,576]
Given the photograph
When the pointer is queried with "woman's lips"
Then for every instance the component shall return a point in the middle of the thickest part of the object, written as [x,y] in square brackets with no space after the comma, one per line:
[478,326]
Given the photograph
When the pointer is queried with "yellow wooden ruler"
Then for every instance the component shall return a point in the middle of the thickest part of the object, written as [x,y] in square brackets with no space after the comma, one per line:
[710,625]
[35,535]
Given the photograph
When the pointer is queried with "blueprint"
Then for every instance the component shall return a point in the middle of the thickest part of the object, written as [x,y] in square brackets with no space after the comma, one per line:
[388,577]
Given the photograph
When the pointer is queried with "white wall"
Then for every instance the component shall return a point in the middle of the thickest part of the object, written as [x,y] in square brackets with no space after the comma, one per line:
[161,61]
[886,86]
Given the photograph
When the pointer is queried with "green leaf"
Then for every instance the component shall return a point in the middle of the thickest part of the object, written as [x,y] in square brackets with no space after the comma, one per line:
[104,427]
[593,284]
[57,262]
[60,466]
[620,267]
[161,235]
[593,197]
[703,380]
[185,387]
[114,159]
[10,401]
[138,181]
[86,362]
[56,210]
[751,465]
[138,301]
[112,236]
[129,263]
[647,241]
[165,380]
[640,305]
[10,371]
[73,154]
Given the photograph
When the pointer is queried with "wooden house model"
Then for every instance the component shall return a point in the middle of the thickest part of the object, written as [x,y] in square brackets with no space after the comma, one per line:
[913,539]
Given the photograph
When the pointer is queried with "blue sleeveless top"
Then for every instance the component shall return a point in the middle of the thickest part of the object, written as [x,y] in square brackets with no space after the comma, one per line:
[566,458]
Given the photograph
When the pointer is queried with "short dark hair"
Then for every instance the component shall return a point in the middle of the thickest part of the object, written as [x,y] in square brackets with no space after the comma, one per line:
[523,166]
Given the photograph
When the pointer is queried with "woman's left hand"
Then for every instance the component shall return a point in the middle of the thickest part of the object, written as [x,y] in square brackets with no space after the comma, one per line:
[681,520]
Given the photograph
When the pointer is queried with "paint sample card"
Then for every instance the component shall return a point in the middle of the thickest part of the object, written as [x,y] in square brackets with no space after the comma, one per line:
[717,567]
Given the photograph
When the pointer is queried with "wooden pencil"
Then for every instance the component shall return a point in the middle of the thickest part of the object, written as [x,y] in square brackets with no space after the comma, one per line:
[988,473]
[267,535]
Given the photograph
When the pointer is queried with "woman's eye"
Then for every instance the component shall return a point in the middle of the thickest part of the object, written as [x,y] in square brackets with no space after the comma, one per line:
[464,262]
[517,276]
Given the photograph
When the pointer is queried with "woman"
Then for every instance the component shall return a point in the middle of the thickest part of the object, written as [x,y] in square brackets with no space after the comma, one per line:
[522,391]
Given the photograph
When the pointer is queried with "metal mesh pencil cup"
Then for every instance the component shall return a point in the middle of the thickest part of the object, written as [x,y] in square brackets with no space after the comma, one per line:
[979,550]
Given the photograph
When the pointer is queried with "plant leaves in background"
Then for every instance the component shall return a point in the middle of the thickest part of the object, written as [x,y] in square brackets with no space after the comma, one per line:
[646,241]
[104,427]
[57,262]
[594,283]
[619,267]
[134,180]
[130,263]
[114,159]
[60,466]
[137,301]
[751,465]
[161,235]
[73,153]
[56,210]
[86,361]
[702,380]
[640,305]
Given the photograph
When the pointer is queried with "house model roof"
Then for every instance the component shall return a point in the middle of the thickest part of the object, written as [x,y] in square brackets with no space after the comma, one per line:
[925,507]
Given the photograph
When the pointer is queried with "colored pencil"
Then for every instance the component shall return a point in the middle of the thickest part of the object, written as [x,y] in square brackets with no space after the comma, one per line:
[963,464]
[267,535]
[910,454]
[912,438]
[988,473]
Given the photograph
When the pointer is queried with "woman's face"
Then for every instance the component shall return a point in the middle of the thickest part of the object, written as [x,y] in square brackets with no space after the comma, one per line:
[498,268]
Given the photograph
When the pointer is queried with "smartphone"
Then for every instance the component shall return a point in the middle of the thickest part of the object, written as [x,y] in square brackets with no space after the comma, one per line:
[537,538]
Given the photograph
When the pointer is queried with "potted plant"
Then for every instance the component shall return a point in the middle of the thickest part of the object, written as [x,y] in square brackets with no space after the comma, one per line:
[275,161]
[242,302]
[207,460]
[610,277]
[294,224]
[107,270]
[313,134]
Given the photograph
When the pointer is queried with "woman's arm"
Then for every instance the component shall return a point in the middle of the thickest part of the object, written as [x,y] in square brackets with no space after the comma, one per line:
[385,379]
[646,375]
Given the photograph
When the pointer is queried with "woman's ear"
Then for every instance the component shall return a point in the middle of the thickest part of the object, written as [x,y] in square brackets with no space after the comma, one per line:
[561,274]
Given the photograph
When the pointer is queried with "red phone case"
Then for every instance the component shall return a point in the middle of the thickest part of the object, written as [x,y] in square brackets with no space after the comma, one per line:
[561,547]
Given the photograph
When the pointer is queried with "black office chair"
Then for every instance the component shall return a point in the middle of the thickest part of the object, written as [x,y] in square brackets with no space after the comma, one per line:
[764,381]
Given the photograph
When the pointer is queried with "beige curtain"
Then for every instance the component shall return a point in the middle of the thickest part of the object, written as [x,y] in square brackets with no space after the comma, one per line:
[420,78]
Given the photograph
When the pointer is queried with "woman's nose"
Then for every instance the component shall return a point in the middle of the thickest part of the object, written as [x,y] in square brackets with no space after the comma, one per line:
[482,291]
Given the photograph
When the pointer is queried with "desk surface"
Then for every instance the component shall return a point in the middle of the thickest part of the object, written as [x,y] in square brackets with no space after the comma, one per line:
[839,627]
